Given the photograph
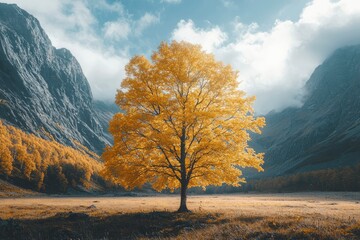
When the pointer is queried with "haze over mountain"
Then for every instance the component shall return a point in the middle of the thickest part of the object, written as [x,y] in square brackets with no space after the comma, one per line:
[45,88]
[325,131]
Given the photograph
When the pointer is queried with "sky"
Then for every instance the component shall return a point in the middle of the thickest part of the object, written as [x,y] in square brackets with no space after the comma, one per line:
[274,44]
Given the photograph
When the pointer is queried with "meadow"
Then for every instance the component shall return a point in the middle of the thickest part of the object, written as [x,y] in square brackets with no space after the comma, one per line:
[233,216]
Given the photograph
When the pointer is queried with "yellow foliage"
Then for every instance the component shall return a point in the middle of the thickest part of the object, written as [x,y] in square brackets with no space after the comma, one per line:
[32,155]
[5,154]
[185,122]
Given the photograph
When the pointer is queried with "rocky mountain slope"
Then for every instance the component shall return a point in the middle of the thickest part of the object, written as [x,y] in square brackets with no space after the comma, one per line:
[44,87]
[325,131]
[105,111]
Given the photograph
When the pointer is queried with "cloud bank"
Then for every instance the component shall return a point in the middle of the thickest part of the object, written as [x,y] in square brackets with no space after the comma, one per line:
[274,65]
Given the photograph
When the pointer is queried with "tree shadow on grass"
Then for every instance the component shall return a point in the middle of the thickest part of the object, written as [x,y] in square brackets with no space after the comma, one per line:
[77,225]
[120,226]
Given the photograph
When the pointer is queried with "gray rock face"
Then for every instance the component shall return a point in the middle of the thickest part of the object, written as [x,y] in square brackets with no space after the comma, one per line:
[105,112]
[325,131]
[44,87]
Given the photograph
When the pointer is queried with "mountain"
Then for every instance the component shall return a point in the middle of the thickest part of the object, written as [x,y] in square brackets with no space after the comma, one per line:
[105,112]
[325,131]
[45,89]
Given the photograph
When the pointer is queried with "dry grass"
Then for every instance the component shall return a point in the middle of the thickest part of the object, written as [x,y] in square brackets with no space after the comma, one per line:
[250,216]
[9,190]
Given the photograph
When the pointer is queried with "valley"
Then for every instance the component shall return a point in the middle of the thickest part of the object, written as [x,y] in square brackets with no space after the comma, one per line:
[73,166]
[321,135]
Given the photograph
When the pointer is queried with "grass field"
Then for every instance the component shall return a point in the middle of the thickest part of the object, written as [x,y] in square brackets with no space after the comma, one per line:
[237,216]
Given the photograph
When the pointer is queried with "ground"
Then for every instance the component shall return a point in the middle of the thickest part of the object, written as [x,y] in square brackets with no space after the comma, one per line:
[235,216]
[10,190]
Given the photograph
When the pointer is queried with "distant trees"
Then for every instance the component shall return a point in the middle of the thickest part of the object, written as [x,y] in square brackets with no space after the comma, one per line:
[6,159]
[44,165]
[55,180]
[337,179]
[185,123]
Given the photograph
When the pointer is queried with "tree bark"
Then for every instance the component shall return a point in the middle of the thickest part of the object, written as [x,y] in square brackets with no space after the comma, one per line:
[183,207]
[184,181]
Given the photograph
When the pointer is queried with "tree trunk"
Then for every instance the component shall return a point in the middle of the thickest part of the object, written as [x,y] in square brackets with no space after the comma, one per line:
[183,207]
[184,181]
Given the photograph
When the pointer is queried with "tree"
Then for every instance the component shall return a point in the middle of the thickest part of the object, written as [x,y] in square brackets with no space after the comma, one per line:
[184,123]
[55,180]
[6,160]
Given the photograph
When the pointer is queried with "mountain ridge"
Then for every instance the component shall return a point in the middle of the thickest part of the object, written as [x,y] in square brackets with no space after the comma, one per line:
[44,87]
[325,131]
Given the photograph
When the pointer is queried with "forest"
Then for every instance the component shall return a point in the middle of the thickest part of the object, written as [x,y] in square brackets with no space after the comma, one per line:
[45,165]
[339,179]
[325,180]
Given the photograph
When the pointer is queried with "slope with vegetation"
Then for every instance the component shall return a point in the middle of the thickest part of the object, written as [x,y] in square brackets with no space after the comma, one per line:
[44,165]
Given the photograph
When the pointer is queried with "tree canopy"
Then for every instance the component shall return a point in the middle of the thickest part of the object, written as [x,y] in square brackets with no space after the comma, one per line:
[184,123]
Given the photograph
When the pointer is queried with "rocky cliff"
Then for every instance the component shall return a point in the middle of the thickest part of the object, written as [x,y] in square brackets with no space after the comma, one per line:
[105,111]
[45,89]
[325,131]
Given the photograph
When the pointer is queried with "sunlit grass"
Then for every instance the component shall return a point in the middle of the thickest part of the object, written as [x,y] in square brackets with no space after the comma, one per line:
[253,216]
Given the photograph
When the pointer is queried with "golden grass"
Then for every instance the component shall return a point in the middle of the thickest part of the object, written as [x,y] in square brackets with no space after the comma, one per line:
[238,216]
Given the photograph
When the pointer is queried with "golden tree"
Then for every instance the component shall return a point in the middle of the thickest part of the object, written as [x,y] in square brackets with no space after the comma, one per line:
[185,123]
[6,160]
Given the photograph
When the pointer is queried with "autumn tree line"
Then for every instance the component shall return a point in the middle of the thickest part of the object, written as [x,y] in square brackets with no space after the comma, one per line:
[44,165]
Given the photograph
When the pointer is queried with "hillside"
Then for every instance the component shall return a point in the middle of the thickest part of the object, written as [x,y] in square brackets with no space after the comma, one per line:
[9,190]
[325,131]
[45,89]
[42,165]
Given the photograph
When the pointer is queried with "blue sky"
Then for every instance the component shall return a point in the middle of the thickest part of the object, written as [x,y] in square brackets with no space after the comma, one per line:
[274,44]
[205,13]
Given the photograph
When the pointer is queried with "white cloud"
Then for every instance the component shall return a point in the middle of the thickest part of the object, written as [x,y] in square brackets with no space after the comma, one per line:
[72,25]
[105,69]
[145,21]
[116,7]
[171,1]
[209,39]
[122,28]
[117,30]
[274,65]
